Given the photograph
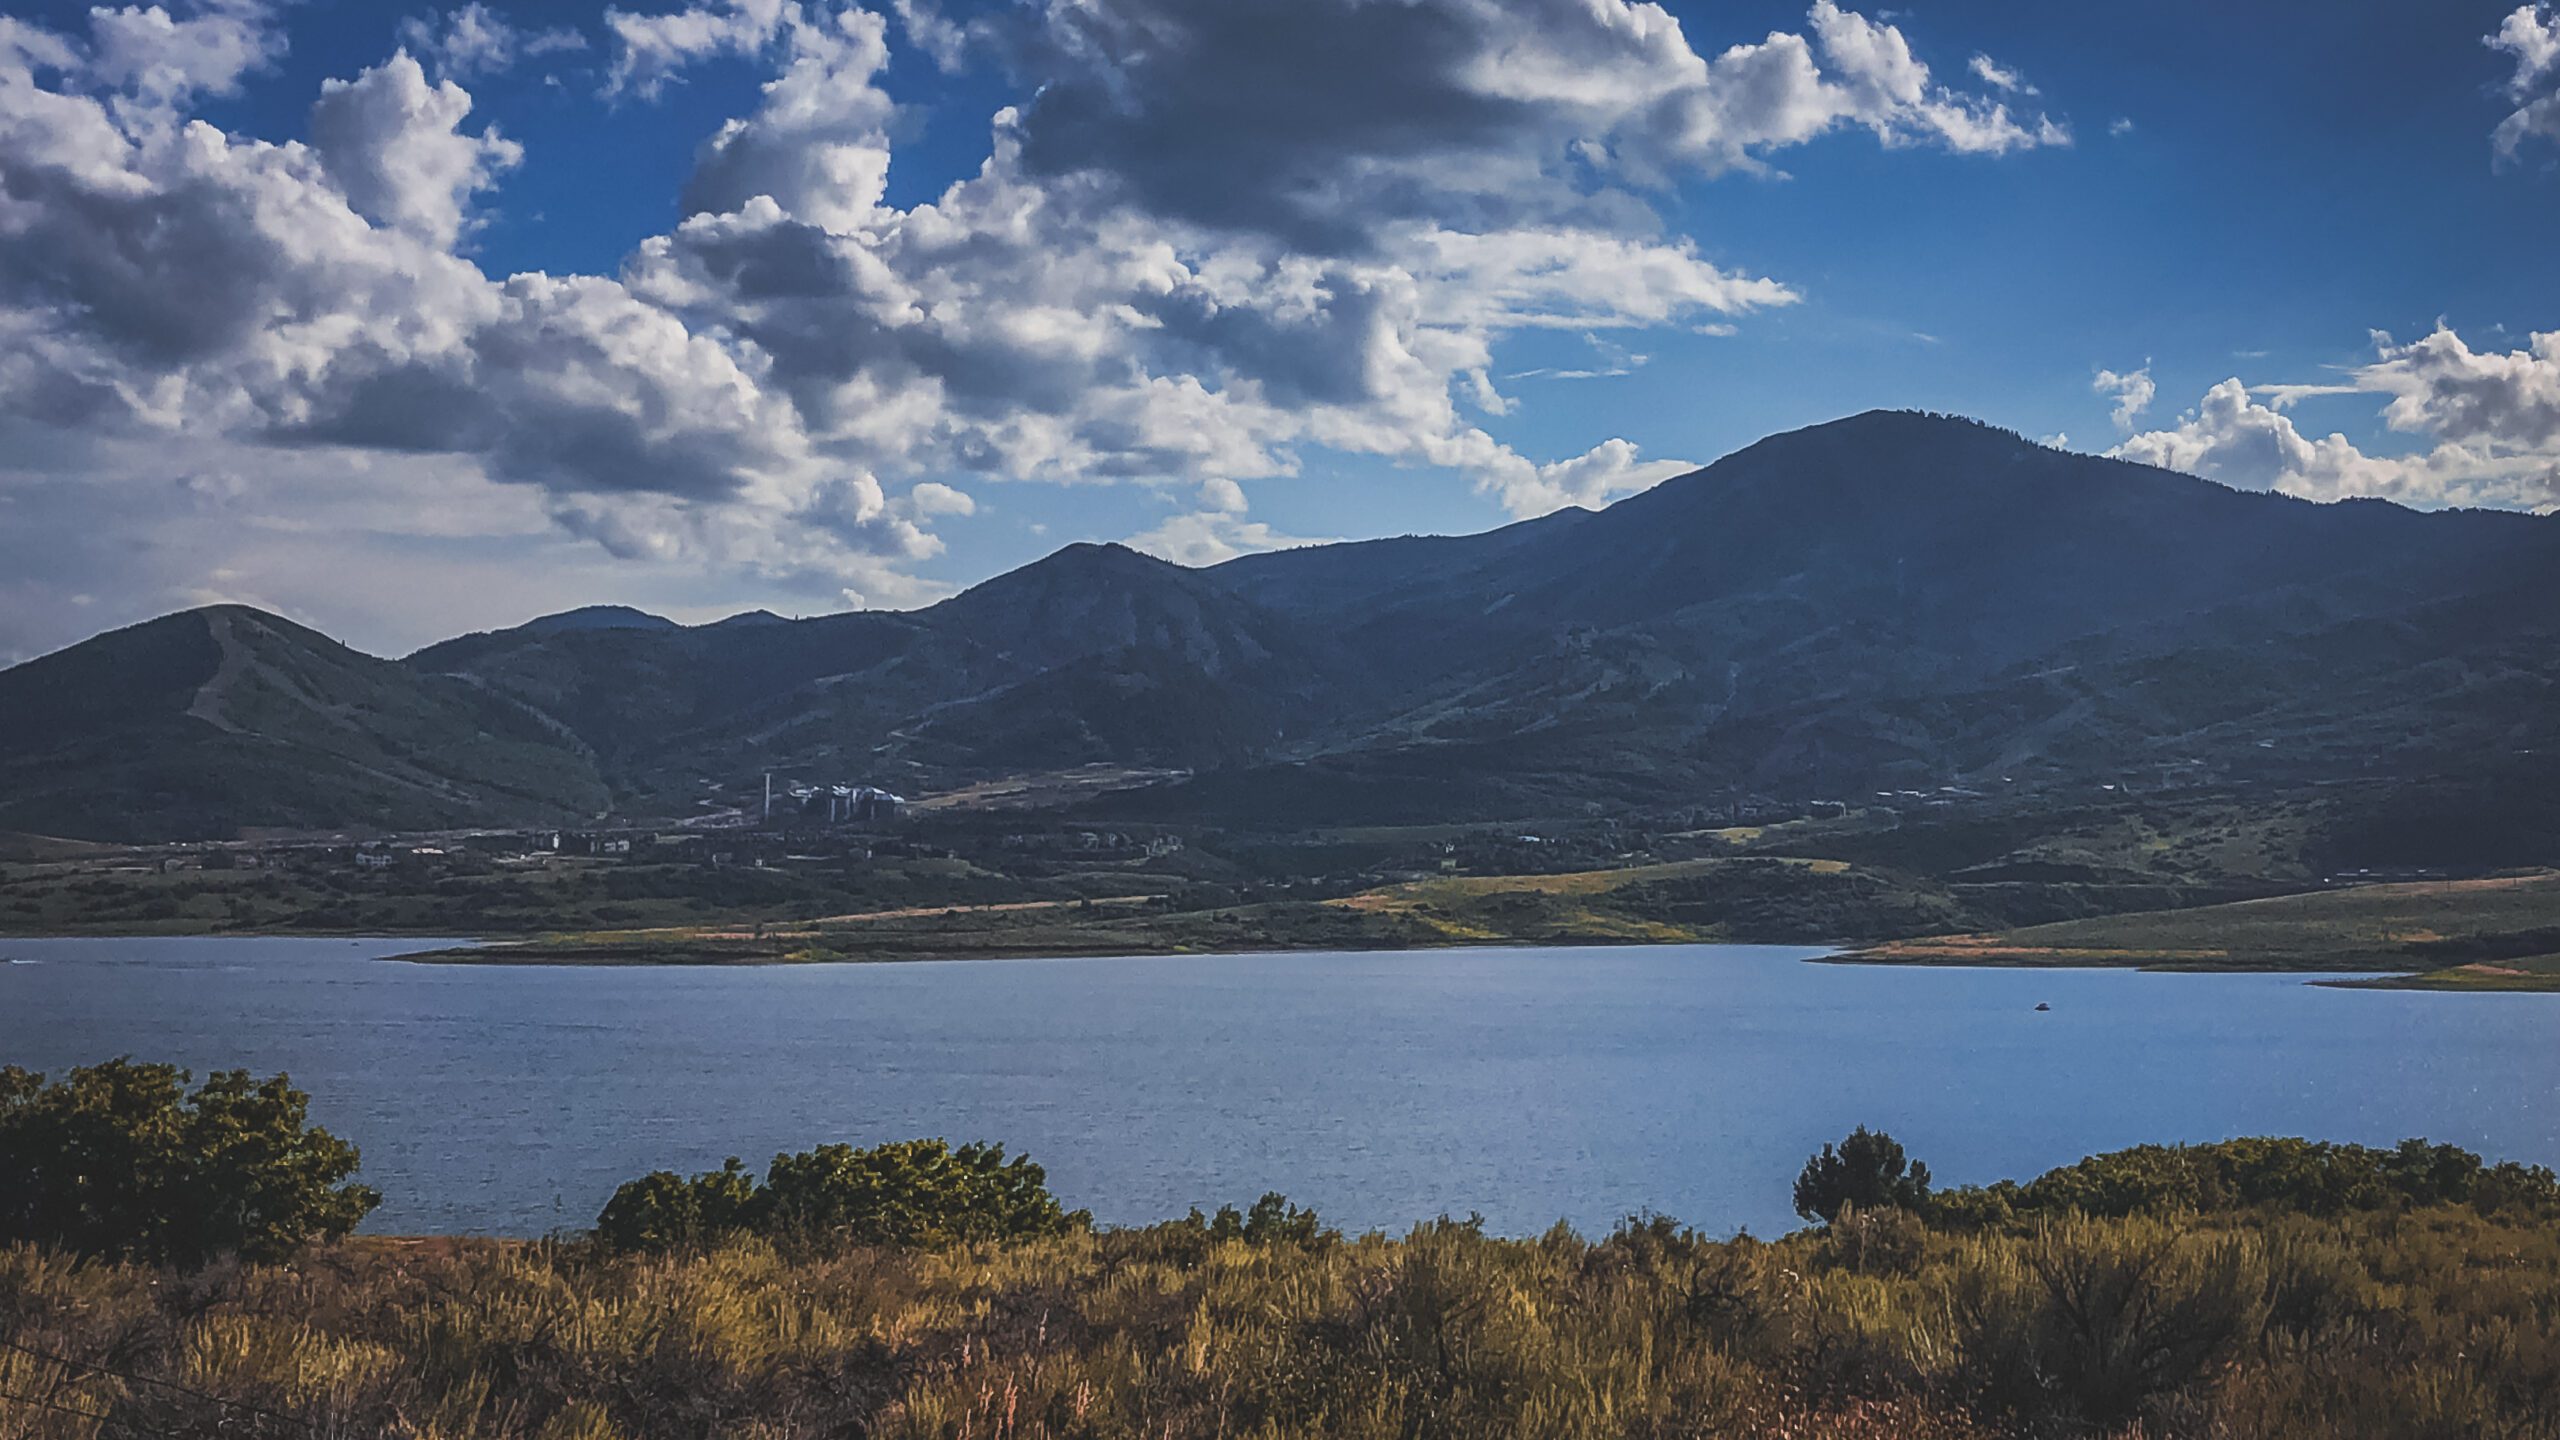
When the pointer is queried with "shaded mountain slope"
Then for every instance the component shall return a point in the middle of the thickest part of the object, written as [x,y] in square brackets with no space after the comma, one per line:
[1900,599]
[1360,577]
[1094,654]
[1096,599]
[1889,600]
[596,617]
[1970,546]
[207,721]
[628,693]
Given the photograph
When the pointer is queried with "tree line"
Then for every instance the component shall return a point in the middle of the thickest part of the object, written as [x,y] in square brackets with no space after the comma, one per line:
[123,1160]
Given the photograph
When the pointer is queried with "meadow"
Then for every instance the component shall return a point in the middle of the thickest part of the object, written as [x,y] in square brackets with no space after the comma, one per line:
[2497,932]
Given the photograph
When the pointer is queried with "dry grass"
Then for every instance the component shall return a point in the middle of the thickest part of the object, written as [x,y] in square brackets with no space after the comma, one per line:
[2430,925]
[1492,908]
[1451,889]
[2428,1323]
[1045,788]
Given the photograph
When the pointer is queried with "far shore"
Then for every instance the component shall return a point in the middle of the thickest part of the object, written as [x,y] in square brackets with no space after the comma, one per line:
[1133,926]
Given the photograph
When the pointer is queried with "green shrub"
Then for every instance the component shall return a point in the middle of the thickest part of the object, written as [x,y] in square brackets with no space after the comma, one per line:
[1867,1171]
[120,1160]
[2434,1320]
[2101,1325]
[2305,1176]
[1272,1220]
[666,1211]
[1729,1292]
[916,1193]
[1887,1241]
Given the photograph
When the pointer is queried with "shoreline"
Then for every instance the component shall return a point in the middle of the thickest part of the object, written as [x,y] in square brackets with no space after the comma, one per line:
[496,953]
[2139,967]
[556,950]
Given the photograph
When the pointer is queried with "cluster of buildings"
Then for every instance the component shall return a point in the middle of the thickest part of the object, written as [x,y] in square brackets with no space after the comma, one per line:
[1098,844]
[834,804]
[1943,795]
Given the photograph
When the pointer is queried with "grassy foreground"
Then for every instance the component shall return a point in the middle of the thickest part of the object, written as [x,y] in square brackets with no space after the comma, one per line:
[2259,1287]
[2501,933]
[2436,1322]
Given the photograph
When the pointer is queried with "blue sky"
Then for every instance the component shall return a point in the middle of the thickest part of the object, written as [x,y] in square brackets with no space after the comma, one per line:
[384,438]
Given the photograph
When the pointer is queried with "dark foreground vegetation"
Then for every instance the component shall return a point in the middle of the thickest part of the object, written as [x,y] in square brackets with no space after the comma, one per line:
[2256,1288]
[2428,1322]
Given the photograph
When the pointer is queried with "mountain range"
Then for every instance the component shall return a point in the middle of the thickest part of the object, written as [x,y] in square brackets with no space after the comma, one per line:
[1893,600]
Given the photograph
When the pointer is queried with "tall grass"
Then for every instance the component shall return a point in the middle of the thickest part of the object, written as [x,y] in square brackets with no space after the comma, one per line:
[2418,1323]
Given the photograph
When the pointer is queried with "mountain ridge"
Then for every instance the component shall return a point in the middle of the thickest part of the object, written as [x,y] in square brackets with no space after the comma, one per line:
[1879,601]
[224,718]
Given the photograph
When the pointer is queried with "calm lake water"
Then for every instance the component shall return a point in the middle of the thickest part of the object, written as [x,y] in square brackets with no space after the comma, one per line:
[1528,1085]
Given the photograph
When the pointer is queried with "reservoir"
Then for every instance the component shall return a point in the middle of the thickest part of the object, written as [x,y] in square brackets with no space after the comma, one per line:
[1526,1085]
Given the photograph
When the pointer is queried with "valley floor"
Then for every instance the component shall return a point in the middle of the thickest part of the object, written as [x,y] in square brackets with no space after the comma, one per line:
[2233,881]
[2493,934]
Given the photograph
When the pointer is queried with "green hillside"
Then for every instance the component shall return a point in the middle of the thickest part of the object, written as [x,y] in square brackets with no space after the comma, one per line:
[1892,603]
[212,721]
[2496,933]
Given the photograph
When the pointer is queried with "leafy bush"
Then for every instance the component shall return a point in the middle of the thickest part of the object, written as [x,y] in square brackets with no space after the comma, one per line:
[2309,1176]
[1867,1171]
[666,1211]
[2436,1320]
[1887,1241]
[914,1193]
[2099,1326]
[1272,1220]
[119,1160]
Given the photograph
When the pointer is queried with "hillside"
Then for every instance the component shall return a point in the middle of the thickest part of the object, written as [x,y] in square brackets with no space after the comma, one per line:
[1902,600]
[210,721]
[2498,932]
[1889,601]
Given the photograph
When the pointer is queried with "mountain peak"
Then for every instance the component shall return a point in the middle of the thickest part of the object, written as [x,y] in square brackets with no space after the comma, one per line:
[220,610]
[1869,429]
[1106,556]
[1088,599]
[596,617]
[1083,565]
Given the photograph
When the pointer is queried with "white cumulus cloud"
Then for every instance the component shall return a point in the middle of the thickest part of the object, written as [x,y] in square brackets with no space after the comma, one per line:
[1215,237]
[2491,421]
[475,40]
[2530,35]
[150,54]
[393,143]
[2000,77]
[2132,392]
[651,50]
